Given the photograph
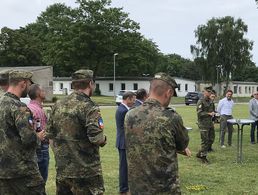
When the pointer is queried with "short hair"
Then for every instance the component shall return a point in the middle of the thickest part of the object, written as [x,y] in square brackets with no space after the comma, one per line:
[14,81]
[229,90]
[81,84]
[4,82]
[159,87]
[141,93]
[128,94]
[33,91]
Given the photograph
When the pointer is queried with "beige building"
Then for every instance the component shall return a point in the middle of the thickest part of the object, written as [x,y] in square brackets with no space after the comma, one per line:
[42,75]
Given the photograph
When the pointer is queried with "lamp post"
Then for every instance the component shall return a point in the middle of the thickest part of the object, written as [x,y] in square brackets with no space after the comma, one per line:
[218,67]
[114,83]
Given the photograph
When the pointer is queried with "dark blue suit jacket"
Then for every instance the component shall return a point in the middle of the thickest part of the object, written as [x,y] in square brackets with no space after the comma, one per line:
[137,103]
[120,130]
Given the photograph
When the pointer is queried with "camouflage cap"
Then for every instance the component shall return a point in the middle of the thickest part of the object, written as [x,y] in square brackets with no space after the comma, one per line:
[4,75]
[19,74]
[208,89]
[82,74]
[168,79]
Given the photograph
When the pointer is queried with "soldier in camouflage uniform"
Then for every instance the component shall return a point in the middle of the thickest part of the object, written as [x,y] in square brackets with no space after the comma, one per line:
[76,128]
[154,134]
[205,113]
[214,118]
[4,81]
[19,173]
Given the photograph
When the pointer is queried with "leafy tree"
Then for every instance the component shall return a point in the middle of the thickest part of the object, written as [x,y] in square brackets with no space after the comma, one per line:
[88,36]
[221,42]
[18,49]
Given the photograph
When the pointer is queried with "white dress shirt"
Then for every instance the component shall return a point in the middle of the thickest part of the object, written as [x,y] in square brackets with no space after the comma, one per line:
[225,106]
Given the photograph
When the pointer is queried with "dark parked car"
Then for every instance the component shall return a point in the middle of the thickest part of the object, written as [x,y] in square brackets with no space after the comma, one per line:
[192,97]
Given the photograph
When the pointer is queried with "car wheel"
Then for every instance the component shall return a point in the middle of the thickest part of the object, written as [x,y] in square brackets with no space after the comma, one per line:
[187,104]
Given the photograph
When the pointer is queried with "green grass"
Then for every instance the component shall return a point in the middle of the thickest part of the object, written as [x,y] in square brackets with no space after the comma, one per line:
[222,176]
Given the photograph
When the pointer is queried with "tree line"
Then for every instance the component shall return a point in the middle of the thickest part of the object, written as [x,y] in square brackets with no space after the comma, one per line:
[88,35]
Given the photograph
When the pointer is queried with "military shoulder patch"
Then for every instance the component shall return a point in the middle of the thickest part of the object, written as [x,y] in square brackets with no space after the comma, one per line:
[100,122]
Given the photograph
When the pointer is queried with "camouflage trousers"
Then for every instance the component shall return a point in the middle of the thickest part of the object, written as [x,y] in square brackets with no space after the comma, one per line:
[207,139]
[32,185]
[80,186]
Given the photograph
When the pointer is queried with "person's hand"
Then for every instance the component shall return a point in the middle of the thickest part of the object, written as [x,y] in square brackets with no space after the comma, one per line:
[104,142]
[185,152]
[188,152]
[41,135]
[211,114]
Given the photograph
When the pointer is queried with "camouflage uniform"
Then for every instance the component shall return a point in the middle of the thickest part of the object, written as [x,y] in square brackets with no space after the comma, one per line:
[153,135]
[19,173]
[4,78]
[1,92]
[206,126]
[76,127]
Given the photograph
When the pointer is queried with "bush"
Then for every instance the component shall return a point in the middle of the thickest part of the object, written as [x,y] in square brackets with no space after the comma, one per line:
[54,99]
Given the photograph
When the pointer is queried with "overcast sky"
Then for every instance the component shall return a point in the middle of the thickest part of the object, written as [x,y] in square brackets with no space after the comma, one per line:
[169,23]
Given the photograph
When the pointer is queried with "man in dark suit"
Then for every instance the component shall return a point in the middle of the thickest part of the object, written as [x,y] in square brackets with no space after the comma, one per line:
[141,96]
[127,103]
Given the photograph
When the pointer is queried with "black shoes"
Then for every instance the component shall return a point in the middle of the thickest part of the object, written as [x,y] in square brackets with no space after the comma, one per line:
[203,159]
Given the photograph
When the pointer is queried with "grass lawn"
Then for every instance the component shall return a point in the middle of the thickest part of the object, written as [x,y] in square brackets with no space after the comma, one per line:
[222,176]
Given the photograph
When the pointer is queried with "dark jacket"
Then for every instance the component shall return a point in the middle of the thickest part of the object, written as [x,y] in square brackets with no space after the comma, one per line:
[120,130]
[137,103]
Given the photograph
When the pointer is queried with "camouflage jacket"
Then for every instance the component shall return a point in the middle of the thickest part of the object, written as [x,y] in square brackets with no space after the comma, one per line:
[204,106]
[76,127]
[1,92]
[18,139]
[153,135]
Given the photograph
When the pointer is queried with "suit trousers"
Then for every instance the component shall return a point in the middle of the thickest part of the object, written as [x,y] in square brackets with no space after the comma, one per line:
[123,171]
[252,133]
[223,126]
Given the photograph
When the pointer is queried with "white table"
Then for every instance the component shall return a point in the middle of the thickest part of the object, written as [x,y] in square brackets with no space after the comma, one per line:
[240,124]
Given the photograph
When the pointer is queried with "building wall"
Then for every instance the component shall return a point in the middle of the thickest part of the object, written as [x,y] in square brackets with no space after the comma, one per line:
[62,87]
[242,89]
[185,86]
[106,86]
[42,75]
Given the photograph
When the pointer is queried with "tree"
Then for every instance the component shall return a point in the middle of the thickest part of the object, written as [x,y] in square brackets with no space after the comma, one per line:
[221,42]
[88,36]
[18,49]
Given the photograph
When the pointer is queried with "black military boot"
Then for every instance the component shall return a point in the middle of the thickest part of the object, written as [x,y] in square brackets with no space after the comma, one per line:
[203,159]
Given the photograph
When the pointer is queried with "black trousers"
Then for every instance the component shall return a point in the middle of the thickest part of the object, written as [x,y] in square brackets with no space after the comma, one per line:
[123,171]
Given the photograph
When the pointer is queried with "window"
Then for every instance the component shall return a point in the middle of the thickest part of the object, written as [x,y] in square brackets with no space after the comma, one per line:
[235,89]
[71,86]
[249,90]
[97,86]
[186,87]
[61,86]
[245,89]
[240,90]
[111,87]
[135,86]
[179,87]
[122,86]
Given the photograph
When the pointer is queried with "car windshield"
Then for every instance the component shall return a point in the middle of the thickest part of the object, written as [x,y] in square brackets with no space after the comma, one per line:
[121,92]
